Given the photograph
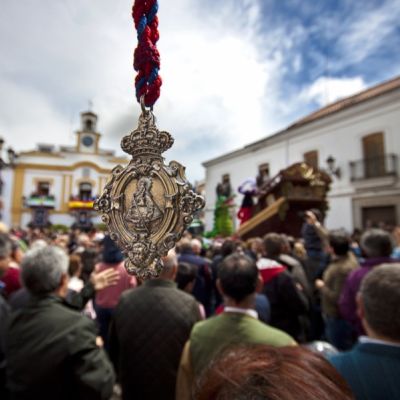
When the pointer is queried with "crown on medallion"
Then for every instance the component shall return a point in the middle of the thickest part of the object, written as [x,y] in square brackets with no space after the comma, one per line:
[146,138]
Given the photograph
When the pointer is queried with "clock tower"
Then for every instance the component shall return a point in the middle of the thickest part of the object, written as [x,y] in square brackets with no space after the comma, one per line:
[87,137]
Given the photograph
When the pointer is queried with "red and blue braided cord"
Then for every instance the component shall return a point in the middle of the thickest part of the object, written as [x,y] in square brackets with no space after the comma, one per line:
[146,59]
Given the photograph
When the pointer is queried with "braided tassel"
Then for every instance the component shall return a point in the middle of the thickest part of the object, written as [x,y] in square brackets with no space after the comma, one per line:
[146,56]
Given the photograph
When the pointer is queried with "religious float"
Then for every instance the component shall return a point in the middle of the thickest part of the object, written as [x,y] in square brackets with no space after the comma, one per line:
[283,200]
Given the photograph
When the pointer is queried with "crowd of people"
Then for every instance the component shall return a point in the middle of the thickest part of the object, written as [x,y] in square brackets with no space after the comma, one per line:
[277,317]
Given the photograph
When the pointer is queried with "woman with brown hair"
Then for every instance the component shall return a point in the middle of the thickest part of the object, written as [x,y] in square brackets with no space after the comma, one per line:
[256,372]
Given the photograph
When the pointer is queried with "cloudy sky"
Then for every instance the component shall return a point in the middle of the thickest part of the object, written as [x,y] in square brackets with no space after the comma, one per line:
[233,70]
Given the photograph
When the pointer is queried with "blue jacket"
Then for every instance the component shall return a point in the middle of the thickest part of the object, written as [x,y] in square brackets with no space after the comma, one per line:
[372,370]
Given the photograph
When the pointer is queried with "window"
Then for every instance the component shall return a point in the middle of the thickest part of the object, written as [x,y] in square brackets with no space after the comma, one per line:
[88,125]
[43,188]
[374,155]
[85,191]
[311,158]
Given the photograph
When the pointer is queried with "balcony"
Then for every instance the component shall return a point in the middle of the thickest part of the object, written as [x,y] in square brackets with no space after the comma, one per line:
[81,203]
[385,166]
[44,201]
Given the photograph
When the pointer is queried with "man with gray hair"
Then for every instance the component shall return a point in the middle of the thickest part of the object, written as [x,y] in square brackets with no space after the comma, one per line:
[377,246]
[150,327]
[51,350]
[372,367]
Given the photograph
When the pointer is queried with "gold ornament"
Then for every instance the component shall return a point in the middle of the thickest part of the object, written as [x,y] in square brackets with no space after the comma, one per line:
[147,205]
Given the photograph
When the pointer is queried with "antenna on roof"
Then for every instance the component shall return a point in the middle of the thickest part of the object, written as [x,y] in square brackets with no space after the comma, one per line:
[90,105]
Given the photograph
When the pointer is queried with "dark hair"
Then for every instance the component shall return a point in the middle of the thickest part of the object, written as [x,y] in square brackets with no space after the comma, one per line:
[228,247]
[380,296]
[317,213]
[238,276]
[111,252]
[273,244]
[185,275]
[340,242]
[261,372]
[377,243]
[75,264]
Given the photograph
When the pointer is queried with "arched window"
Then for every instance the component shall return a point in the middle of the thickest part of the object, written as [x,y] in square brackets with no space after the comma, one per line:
[88,125]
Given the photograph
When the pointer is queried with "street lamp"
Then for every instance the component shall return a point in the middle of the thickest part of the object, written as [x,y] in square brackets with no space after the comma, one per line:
[10,163]
[332,169]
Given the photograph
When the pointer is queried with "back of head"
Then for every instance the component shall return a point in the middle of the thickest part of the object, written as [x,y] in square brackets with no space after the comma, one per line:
[185,245]
[5,246]
[228,247]
[376,243]
[111,252]
[380,296]
[340,242]
[196,246]
[238,276]
[255,372]
[42,269]
[273,244]
[170,265]
[75,264]
[186,274]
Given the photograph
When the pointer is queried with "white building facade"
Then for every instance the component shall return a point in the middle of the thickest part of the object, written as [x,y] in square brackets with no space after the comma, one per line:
[360,136]
[58,185]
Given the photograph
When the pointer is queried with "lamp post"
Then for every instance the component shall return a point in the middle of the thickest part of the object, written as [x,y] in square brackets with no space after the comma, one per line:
[332,169]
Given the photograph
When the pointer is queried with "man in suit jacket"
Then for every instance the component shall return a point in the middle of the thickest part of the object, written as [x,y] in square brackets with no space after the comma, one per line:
[372,367]
[150,326]
[237,282]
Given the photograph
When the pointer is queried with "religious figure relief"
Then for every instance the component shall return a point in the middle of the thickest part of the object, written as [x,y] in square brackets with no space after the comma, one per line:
[144,214]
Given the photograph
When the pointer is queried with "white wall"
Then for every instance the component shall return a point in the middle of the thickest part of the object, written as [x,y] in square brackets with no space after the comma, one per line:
[339,135]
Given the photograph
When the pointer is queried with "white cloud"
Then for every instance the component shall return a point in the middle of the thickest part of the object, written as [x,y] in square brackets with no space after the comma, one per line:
[223,78]
[326,90]
[60,55]
[368,30]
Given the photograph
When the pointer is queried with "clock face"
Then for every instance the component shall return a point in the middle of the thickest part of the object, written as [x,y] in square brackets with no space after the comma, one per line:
[87,141]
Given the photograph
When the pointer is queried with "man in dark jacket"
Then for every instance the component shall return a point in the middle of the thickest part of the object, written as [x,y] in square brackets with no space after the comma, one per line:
[51,350]
[377,246]
[288,302]
[150,327]
[203,286]
[372,367]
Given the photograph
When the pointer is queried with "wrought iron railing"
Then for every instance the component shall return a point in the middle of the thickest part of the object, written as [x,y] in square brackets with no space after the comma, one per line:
[375,167]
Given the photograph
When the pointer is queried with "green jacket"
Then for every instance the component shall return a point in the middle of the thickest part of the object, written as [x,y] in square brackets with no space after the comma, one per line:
[211,336]
[51,353]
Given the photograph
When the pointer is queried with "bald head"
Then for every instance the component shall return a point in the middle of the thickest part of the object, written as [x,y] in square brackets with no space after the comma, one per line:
[170,263]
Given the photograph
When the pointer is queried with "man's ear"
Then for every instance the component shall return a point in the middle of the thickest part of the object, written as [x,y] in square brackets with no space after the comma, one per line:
[219,287]
[63,287]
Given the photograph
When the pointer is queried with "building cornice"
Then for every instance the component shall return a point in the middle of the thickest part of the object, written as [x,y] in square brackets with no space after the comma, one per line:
[47,167]
[36,153]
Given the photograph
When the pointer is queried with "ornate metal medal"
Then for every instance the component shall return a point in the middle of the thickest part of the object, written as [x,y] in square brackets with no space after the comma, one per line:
[147,205]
